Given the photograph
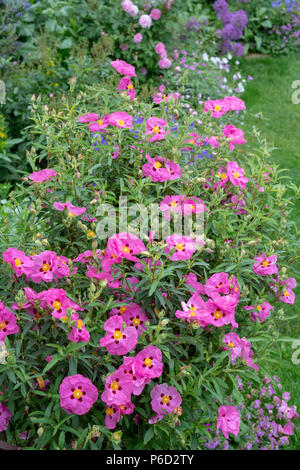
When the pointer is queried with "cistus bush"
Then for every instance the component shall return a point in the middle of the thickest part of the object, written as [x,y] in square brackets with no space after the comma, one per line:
[143,278]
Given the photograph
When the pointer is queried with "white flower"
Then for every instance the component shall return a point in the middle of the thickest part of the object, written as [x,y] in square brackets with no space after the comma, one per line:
[205,57]
[3,353]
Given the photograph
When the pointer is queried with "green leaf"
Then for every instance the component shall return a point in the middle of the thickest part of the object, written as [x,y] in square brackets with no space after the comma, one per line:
[148,435]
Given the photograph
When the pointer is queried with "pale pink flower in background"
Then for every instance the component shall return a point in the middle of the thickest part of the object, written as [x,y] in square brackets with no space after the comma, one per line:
[145,21]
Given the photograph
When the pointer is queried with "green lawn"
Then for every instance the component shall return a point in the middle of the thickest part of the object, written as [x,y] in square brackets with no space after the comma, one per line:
[270,93]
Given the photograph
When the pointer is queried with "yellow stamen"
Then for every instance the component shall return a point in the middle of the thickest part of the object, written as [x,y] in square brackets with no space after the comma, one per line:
[136,321]
[157,164]
[120,122]
[2,325]
[109,411]
[77,393]
[118,335]
[148,362]
[41,382]
[218,314]
[179,246]
[218,107]
[46,267]
[123,309]
[57,305]
[155,129]
[114,385]
[18,262]
[165,399]
[193,311]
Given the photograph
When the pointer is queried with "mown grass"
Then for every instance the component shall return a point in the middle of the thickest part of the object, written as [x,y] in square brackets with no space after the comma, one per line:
[270,94]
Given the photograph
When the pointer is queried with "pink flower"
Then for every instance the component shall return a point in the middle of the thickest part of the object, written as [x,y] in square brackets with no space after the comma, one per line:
[118,389]
[165,399]
[148,363]
[117,340]
[234,344]
[21,263]
[155,14]
[191,280]
[42,175]
[236,175]
[160,170]
[155,127]
[126,86]
[129,370]
[171,204]
[145,21]
[77,394]
[184,247]
[234,103]
[265,265]
[213,141]
[101,124]
[287,429]
[8,323]
[165,63]
[138,38]
[193,205]
[161,50]
[234,135]
[228,420]
[44,267]
[89,117]
[121,119]
[62,268]
[173,169]
[240,347]
[5,416]
[74,211]
[261,311]
[87,256]
[129,7]
[79,333]
[57,300]
[119,246]
[112,416]
[123,68]
[219,310]
[218,107]
[220,283]
[136,318]
[191,311]
[194,140]
[287,295]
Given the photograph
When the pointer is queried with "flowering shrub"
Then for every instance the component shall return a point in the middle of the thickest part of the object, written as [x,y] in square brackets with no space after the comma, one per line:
[273,27]
[114,328]
[233,26]
[270,418]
